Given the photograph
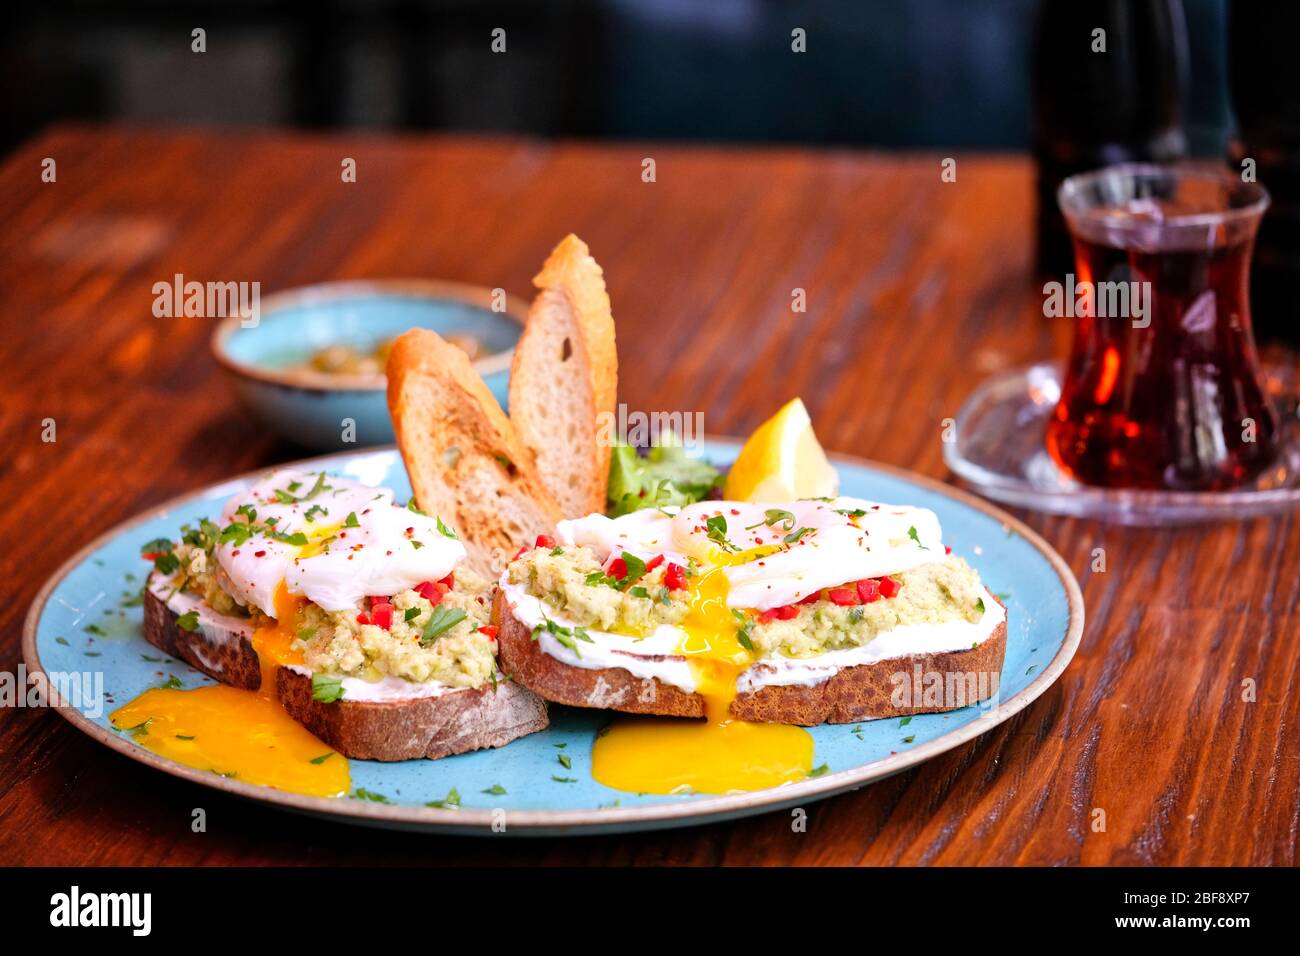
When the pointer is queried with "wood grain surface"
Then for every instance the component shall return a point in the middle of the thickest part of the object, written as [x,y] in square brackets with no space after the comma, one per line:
[916,289]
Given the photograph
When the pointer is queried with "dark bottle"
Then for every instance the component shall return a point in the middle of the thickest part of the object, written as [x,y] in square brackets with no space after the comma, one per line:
[1264,73]
[1093,108]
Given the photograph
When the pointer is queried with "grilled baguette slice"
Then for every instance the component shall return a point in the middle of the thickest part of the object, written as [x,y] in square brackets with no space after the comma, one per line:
[862,692]
[453,722]
[564,379]
[464,457]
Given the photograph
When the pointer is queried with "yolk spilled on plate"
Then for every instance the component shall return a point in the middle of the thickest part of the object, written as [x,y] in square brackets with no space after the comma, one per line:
[242,734]
[719,754]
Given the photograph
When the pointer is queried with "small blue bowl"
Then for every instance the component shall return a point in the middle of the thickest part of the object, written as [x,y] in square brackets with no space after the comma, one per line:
[264,362]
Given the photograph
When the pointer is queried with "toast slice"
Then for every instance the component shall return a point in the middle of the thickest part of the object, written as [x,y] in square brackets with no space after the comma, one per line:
[454,722]
[451,722]
[862,692]
[465,460]
[564,379]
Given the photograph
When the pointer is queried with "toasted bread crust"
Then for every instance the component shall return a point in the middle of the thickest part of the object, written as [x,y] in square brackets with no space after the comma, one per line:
[564,379]
[233,661]
[863,692]
[431,727]
[465,460]
[454,722]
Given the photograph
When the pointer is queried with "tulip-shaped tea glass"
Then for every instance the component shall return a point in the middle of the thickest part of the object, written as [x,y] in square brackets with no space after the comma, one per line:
[1163,387]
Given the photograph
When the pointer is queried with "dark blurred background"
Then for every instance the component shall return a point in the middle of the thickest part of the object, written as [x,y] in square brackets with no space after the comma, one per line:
[918,73]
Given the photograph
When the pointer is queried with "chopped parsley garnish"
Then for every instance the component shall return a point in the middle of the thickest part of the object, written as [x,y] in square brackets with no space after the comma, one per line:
[556,551]
[140,729]
[638,591]
[850,512]
[171,683]
[363,794]
[450,802]
[495,790]
[794,536]
[326,688]
[411,614]
[564,779]
[635,569]
[189,621]
[444,530]
[565,761]
[311,513]
[775,516]
[905,721]
[322,758]
[717,526]
[819,771]
[411,506]
[979,605]
[911,533]
[306,634]
[743,633]
[908,740]
[351,520]
[564,635]
[442,619]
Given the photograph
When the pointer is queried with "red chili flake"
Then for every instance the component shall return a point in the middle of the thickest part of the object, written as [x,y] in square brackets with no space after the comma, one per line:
[674,577]
[888,587]
[259,554]
[947,549]
[235,553]
[544,541]
[343,534]
[735,511]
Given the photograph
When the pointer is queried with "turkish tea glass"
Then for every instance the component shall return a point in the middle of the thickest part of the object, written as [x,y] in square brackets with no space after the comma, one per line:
[1163,387]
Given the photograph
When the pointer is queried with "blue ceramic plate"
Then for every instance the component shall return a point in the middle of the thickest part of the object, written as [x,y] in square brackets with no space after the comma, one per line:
[77,624]
[310,408]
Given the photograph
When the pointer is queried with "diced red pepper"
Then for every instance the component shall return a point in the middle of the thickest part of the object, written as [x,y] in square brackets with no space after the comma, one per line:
[523,549]
[812,598]
[768,616]
[490,630]
[617,569]
[844,597]
[947,549]
[787,613]
[674,577]
[868,590]
[363,618]
[449,580]
[381,615]
[888,587]
[544,541]
[653,563]
[432,591]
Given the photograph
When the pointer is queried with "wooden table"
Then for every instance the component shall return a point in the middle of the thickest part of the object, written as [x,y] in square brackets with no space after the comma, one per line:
[916,289]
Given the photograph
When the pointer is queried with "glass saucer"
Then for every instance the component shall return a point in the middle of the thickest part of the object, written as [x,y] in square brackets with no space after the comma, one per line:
[998,450]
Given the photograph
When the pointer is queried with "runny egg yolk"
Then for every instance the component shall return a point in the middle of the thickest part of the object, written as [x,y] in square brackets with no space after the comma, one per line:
[719,754]
[242,734]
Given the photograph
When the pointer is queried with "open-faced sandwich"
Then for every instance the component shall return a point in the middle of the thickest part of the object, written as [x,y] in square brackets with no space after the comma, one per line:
[784,607]
[320,596]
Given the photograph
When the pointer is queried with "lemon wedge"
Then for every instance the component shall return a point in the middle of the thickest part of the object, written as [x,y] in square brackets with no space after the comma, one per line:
[782,460]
